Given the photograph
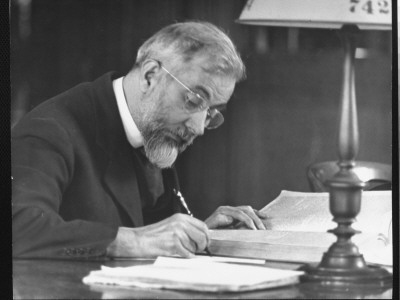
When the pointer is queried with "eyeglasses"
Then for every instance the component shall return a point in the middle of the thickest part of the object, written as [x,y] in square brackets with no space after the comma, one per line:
[195,103]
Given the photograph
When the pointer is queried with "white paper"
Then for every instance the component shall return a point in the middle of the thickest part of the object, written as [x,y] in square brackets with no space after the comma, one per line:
[224,259]
[193,274]
[297,211]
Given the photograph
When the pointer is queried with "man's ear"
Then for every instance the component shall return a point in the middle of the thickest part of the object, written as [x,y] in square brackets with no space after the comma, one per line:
[147,76]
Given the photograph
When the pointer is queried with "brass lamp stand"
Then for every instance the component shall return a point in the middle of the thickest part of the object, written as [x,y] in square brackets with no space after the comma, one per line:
[342,264]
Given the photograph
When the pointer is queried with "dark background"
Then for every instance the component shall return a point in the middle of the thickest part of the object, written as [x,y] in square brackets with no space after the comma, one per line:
[279,121]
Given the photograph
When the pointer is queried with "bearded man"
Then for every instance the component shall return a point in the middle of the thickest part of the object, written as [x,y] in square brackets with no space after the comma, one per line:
[92,168]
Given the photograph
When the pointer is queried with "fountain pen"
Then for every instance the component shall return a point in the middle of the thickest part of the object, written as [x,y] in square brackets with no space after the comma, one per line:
[186,207]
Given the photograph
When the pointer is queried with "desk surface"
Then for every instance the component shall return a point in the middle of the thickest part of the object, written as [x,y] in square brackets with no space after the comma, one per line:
[55,279]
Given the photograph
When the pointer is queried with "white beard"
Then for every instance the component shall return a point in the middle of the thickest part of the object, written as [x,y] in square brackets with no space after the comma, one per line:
[161,150]
[163,156]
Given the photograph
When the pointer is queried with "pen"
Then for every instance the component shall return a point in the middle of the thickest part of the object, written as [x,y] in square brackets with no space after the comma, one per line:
[183,202]
[186,207]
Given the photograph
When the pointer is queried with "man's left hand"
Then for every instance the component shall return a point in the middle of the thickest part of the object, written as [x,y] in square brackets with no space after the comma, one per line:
[234,217]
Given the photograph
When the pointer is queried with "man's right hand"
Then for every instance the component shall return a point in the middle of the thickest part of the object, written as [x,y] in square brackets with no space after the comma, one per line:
[179,234]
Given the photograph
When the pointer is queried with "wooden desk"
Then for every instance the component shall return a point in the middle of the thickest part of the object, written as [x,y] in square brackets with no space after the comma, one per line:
[55,279]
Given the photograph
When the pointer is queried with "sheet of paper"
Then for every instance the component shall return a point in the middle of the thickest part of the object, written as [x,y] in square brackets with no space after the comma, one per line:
[224,259]
[207,258]
[195,274]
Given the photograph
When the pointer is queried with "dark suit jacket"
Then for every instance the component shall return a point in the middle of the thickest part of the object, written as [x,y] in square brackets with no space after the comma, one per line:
[76,177]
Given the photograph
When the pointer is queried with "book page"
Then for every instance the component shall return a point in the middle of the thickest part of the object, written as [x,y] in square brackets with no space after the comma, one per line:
[297,211]
[379,249]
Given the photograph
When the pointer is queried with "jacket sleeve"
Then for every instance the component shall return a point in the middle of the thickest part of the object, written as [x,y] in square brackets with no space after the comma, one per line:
[42,167]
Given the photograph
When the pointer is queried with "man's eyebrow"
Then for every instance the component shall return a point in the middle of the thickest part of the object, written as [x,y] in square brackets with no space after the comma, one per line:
[205,91]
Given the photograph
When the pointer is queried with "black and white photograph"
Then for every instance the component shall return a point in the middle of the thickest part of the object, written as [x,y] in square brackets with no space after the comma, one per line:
[191,149]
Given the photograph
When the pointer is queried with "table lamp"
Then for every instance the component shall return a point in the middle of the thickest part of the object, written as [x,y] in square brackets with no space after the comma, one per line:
[342,264]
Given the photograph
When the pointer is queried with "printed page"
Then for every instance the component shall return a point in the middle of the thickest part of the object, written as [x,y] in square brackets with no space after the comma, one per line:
[296,211]
[379,249]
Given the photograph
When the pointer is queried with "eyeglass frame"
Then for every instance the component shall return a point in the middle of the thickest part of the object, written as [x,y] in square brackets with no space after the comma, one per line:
[211,112]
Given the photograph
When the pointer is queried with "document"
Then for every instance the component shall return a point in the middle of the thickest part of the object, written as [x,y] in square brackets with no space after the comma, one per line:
[195,274]
[297,225]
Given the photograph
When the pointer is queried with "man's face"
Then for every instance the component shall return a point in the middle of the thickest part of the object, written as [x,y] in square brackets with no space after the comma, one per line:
[168,125]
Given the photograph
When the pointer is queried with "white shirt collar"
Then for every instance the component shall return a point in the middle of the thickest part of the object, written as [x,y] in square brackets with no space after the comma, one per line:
[133,134]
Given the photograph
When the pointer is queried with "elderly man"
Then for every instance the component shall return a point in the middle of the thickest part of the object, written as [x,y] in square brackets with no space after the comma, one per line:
[92,168]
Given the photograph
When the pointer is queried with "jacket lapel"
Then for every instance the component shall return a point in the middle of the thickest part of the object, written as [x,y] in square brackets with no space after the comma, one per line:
[121,179]
[120,176]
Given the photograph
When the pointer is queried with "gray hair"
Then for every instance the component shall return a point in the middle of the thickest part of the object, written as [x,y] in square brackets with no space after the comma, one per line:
[182,41]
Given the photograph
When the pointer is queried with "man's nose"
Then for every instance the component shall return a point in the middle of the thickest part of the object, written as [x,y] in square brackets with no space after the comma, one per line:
[196,122]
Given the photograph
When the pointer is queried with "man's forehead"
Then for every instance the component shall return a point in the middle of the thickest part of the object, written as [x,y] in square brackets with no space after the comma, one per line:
[222,87]
[217,86]
[207,64]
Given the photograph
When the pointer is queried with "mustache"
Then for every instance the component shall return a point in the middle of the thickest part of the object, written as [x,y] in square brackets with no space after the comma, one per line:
[186,134]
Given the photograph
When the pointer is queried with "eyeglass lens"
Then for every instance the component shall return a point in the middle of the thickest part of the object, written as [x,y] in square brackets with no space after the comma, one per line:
[216,119]
[194,103]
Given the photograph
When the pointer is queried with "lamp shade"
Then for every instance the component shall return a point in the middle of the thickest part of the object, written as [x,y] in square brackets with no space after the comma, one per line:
[366,14]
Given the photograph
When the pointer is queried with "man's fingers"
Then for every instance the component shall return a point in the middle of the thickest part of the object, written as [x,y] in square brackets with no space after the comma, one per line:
[254,216]
[244,214]
[198,233]
[191,233]
[191,220]
[198,238]
[183,251]
[261,214]
[238,214]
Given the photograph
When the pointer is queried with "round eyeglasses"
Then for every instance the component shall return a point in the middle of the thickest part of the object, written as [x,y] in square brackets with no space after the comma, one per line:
[195,103]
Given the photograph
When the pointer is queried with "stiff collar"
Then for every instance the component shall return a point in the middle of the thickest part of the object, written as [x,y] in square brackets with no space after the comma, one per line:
[133,134]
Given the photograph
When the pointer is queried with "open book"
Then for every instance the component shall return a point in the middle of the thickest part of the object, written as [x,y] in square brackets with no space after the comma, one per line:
[297,226]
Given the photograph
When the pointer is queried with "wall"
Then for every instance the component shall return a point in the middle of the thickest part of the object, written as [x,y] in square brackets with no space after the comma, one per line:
[280,120]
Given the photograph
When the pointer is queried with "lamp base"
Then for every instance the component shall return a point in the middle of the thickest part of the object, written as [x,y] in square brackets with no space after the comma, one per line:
[371,276]
[313,290]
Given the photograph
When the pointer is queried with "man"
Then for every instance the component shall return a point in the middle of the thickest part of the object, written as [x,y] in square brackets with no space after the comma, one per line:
[92,168]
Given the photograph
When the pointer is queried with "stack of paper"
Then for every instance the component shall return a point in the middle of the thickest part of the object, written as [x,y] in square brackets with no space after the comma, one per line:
[193,274]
